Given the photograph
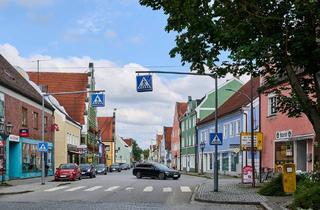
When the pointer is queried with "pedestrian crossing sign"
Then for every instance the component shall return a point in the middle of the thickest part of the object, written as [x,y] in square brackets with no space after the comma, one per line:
[97,100]
[144,83]
[42,147]
[215,138]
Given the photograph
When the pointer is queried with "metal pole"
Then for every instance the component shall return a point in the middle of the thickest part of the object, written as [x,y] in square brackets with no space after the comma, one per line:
[216,131]
[42,136]
[202,161]
[4,137]
[252,135]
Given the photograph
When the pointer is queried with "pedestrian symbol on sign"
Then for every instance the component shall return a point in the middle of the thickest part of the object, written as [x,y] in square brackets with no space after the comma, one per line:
[215,139]
[144,84]
[97,100]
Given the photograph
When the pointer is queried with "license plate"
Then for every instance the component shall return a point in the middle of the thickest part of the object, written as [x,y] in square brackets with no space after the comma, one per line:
[83,173]
[175,175]
[63,176]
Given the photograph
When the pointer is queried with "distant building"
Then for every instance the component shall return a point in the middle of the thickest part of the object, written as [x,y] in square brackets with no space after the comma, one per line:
[107,129]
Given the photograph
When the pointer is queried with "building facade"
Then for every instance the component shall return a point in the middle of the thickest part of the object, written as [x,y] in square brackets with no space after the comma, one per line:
[122,151]
[107,129]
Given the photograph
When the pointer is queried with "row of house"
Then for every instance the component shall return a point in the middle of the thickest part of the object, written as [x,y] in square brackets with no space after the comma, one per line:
[285,140]
[72,130]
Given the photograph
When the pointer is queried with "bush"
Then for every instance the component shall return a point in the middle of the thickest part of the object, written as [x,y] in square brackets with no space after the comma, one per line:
[307,195]
[273,188]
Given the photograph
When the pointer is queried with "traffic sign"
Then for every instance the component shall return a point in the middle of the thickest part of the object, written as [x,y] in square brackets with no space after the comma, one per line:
[245,141]
[42,147]
[144,83]
[97,100]
[216,138]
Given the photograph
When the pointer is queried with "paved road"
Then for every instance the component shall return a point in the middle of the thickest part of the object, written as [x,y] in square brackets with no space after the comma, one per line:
[115,191]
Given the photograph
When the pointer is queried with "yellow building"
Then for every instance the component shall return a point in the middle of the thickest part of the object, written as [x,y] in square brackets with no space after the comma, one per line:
[66,136]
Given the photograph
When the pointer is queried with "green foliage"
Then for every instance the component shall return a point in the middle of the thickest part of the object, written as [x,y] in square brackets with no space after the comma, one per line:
[273,188]
[146,154]
[136,151]
[307,195]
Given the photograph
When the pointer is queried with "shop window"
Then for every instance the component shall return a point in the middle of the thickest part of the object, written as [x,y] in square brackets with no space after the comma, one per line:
[24,121]
[31,158]
[272,105]
[234,161]
[225,161]
[35,120]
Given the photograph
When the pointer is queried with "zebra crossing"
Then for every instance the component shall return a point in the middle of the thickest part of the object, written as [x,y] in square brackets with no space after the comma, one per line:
[183,189]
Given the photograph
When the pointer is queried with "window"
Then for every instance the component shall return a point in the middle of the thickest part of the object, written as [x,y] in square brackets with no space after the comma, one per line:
[194,121]
[35,120]
[232,128]
[225,130]
[45,122]
[238,127]
[272,105]
[182,142]
[203,136]
[183,124]
[24,121]
[1,105]
[31,158]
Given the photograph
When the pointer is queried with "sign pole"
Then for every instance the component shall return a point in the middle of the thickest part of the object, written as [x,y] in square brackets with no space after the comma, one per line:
[252,136]
[216,131]
[42,136]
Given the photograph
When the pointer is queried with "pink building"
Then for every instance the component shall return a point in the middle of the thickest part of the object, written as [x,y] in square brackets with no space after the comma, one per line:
[286,140]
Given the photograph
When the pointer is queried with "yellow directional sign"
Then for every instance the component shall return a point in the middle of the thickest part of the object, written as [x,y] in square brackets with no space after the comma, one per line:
[245,141]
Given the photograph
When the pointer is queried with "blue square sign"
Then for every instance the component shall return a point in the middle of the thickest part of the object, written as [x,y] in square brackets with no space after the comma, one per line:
[97,100]
[216,139]
[144,83]
[43,147]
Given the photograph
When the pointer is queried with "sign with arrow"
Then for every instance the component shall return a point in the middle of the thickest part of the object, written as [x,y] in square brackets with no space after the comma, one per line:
[144,83]
[43,147]
[97,100]
[215,138]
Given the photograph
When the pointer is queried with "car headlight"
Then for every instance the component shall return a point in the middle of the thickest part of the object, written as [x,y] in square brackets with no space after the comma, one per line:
[88,170]
[166,172]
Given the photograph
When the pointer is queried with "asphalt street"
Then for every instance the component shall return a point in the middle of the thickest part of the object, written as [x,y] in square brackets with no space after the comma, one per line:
[117,190]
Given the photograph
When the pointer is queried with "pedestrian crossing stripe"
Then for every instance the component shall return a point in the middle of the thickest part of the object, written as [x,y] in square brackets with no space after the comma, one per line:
[144,84]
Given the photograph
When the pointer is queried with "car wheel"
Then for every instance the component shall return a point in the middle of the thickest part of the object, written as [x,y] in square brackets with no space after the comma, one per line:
[91,176]
[175,178]
[94,176]
[162,176]
[80,177]
[105,173]
[139,175]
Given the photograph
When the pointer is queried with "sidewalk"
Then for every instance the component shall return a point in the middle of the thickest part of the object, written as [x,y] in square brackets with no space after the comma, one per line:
[20,186]
[231,191]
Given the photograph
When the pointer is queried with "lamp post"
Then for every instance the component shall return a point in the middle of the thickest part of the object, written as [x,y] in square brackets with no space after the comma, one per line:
[202,145]
[250,98]
[5,131]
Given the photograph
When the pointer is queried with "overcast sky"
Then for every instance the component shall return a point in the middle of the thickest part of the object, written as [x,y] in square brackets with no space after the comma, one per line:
[119,37]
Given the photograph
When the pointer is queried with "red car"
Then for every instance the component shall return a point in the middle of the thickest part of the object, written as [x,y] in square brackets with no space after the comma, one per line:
[68,171]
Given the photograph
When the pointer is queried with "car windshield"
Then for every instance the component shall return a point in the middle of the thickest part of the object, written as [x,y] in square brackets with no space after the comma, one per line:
[162,167]
[67,166]
[115,164]
[84,166]
[100,166]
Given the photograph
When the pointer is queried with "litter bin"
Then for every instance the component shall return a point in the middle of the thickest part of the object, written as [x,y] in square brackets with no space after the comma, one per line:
[289,178]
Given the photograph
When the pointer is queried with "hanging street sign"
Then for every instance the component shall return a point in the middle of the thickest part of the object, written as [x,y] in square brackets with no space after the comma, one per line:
[42,147]
[245,141]
[144,83]
[216,139]
[97,100]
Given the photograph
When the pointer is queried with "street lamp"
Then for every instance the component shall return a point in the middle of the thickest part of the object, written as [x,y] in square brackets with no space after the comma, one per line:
[252,129]
[5,131]
[202,145]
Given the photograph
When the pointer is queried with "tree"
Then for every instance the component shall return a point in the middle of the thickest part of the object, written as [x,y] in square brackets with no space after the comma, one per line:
[146,154]
[136,151]
[277,39]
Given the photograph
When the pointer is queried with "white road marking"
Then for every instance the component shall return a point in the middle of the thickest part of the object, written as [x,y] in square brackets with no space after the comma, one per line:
[129,188]
[185,189]
[75,188]
[167,189]
[148,189]
[93,188]
[56,188]
[112,188]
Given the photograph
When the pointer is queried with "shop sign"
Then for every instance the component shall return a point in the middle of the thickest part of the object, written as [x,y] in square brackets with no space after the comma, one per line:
[245,141]
[14,138]
[284,134]
[24,132]
[247,174]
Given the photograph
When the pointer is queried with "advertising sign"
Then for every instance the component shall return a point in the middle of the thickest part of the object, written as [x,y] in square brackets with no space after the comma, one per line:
[247,174]
[245,141]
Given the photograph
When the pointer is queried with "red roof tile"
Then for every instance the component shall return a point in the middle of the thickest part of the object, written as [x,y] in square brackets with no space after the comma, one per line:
[63,82]
[128,141]
[236,101]
[182,108]
[167,135]
[105,125]
[158,139]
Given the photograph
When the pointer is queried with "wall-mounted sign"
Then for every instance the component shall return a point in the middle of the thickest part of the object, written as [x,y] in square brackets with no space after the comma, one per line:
[284,134]
[24,132]
[14,138]
[245,141]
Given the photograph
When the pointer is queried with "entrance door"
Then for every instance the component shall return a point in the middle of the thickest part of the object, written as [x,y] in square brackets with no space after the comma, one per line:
[14,160]
[301,155]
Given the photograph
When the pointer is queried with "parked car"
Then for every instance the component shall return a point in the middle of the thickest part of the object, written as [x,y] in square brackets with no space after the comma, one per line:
[87,170]
[155,170]
[101,169]
[68,171]
[115,167]
[124,166]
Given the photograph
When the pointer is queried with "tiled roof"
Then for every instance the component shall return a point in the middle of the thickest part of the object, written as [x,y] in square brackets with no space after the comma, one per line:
[182,108]
[65,82]
[128,141]
[13,80]
[105,125]
[158,139]
[167,134]
[236,101]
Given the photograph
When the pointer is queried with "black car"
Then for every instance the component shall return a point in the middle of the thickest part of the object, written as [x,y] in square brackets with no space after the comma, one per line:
[115,167]
[154,170]
[124,166]
[87,170]
[101,169]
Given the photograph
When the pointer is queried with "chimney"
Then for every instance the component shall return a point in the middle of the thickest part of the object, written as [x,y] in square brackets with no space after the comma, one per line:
[189,98]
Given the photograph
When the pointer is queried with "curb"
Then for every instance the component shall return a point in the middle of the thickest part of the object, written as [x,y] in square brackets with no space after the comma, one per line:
[207,177]
[15,193]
